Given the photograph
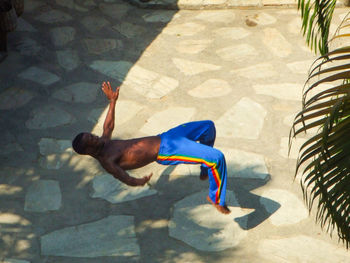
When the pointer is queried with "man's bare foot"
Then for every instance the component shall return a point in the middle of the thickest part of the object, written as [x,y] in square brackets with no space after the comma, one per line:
[220,208]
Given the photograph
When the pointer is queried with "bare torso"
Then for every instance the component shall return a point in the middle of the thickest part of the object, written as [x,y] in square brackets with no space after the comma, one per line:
[131,154]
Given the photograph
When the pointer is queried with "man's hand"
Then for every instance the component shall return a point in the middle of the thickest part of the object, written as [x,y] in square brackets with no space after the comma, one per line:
[110,94]
[145,179]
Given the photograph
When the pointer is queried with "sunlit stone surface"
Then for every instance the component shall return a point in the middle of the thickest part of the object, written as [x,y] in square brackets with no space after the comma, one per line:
[62,35]
[39,75]
[221,16]
[187,29]
[190,68]
[300,67]
[282,91]
[233,33]
[81,92]
[42,196]
[262,19]
[111,236]
[9,260]
[55,153]
[292,209]
[301,248]
[237,52]
[193,46]
[243,120]
[48,117]
[54,16]
[200,225]
[68,59]
[167,119]
[14,97]
[211,88]
[276,43]
[294,151]
[114,191]
[263,70]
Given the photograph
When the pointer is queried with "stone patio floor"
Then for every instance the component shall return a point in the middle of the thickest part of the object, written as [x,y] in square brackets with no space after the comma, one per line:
[242,68]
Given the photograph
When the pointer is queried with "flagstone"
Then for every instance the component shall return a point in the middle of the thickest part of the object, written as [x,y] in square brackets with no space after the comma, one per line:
[282,91]
[94,23]
[54,16]
[10,190]
[10,148]
[294,26]
[211,88]
[300,67]
[237,52]
[23,25]
[114,191]
[262,18]
[234,33]
[201,226]
[68,59]
[48,116]
[193,46]
[110,236]
[13,219]
[159,16]
[28,47]
[263,70]
[14,97]
[71,5]
[54,153]
[276,43]
[99,46]
[43,196]
[61,36]
[292,209]
[129,30]
[167,119]
[219,16]
[190,68]
[39,75]
[186,29]
[294,150]
[114,10]
[81,92]
[301,248]
[32,5]
[244,120]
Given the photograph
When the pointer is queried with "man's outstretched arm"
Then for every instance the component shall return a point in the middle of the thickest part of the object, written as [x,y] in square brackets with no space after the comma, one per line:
[112,96]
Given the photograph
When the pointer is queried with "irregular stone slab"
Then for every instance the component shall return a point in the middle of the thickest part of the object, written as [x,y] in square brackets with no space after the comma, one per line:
[300,67]
[10,190]
[301,248]
[129,30]
[81,92]
[237,52]
[243,120]
[192,46]
[159,16]
[71,5]
[201,226]
[239,3]
[55,153]
[94,23]
[262,19]
[114,10]
[23,25]
[292,209]
[99,46]
[167,119]
[264,70]
[126,109]
[190,68]
[54,16]
[211,88]
[13,219]
[218,16]
[247,165]
[294,26]
[282,91]
[114,191]
[111,236]
[48,117]
[60,36]
[294,151]
[28,47]
[14,97]
[68,59]
[148,83]
[39,75]
[43,196]
[234,33]
[276,43]
[187,29]
[9,260]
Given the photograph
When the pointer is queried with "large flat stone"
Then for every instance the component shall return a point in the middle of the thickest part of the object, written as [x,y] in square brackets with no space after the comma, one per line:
[99,46]
[13,220]
[300,67]
[301,248]
[193,46]
[43,196]
[71,5]
[23,25]
[129,30]
[81,92]
[14,97]
[201,226]
[148,83]
[68,59]
[94,23]
[60,36]
[292,209]
[237,52]
[234,33]
[167,119]
[48,117]
[159,16]
[293,153]
[10,260]
[282,91]
[276,43]
[39,75]
[211,88]
[217,16]
[262,18]
[263,70]
[243,120]
[111,236]
[28,47]
[114,10]
[114,191]
[187,29]
[10,190]
[55,153]
[54,16]
[190,68]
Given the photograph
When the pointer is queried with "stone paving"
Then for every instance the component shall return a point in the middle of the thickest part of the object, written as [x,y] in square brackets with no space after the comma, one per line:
[243,69]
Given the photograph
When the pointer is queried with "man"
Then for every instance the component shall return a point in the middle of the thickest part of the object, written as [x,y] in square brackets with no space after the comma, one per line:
[178,145]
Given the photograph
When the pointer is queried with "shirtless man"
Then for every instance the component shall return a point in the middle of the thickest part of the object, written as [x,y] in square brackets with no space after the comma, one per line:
[178,145]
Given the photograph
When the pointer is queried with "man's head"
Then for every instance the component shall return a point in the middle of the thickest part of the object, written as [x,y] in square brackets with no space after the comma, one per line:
[86,143]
